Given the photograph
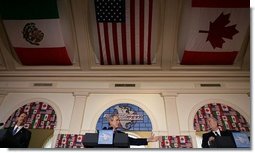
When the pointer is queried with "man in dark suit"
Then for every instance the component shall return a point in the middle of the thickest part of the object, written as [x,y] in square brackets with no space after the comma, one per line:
[17,136]
[209,138]
[114,124]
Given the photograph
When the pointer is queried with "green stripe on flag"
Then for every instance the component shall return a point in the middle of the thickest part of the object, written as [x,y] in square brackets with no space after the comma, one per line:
[28,9]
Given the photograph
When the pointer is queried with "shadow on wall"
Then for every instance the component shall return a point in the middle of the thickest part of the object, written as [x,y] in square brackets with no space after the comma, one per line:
[39,137]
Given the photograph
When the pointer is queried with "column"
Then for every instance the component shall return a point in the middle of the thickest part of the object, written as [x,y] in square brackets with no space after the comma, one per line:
[171,112]
[78,112]
[2,96]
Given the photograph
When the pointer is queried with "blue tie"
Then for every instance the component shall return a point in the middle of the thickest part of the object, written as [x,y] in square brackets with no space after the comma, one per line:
[14,131]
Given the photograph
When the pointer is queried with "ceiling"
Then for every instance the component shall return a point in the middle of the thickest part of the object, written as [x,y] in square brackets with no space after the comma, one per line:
[180,38]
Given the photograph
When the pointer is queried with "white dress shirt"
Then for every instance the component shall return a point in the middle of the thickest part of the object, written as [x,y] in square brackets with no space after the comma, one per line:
[19,128]
[218,131]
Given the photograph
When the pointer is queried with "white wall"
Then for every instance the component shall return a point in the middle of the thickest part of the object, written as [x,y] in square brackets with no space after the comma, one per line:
[152,104]
[62,104]
[188,104]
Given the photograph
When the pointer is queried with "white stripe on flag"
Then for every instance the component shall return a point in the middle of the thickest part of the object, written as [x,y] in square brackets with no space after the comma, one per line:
[137,32]
[49,27]
[110,32]
[119,39]
[132,36]
[101,31]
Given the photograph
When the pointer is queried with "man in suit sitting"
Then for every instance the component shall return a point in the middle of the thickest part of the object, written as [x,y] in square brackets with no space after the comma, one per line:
[209,138]
[114,123]
[17,136]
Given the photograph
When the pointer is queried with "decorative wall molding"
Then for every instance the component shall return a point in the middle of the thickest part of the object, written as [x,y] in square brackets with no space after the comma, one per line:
[111,73]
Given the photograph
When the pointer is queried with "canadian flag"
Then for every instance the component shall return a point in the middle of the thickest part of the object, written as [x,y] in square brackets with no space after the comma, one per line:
[207,110]
[212,32]
[224,118]
[167,143]
[182,139]
[38,116]
[224,108]
[27,108]
[79,138]
[64,140]
[26,126]
[44,106]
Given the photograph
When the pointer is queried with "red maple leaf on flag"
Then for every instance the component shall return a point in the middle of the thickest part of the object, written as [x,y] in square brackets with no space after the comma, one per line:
[219,29]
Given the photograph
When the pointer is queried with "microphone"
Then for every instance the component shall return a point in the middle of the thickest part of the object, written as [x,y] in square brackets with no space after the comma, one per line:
[1,124]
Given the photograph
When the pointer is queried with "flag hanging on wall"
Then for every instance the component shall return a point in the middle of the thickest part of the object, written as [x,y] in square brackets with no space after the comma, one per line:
[34,30]
[182,141]
[124,31]
[69,141]
[213,31]
[228,118]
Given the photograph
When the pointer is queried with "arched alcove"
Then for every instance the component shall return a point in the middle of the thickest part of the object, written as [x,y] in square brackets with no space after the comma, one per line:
[40,115]
[139,104]
[28,101]
[41,120]
[132,117]
[201,104]
[227,117]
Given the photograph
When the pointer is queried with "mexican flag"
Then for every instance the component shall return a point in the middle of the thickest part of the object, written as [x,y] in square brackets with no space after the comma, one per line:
[212,32]
[34,30]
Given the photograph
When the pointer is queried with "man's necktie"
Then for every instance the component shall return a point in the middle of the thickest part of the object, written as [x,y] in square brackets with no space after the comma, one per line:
[217,134]
[14,131]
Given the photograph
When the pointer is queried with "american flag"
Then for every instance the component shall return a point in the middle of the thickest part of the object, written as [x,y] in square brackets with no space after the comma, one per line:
[124,31]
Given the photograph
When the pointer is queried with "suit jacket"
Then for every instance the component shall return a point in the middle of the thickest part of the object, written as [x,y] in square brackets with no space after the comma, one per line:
[20,140]
[132,141]
[206,137]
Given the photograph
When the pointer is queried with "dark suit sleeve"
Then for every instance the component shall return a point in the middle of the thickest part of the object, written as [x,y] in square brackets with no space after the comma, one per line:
[7,138]
[26,139]
[205,141]
[137,142]
[20,140]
